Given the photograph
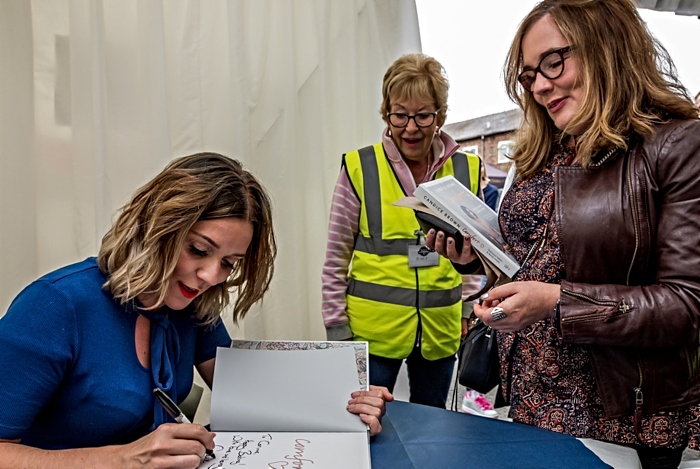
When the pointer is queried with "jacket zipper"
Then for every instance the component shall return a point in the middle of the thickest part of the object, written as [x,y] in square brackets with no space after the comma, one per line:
[638,394]
[635,222]
[638,402]
[621,307]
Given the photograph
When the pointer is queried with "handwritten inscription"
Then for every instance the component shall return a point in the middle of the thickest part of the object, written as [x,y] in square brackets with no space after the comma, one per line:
[296,459]
[289,450]
[240,448]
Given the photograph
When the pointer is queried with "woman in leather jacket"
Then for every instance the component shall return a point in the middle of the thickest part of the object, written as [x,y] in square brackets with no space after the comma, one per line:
[598,332]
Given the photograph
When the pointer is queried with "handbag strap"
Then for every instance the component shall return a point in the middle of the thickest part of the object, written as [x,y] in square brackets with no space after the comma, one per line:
[453,405]
[509,371]
[455,385]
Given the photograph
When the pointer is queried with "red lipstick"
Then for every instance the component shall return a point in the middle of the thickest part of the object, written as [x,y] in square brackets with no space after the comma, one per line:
[188,293]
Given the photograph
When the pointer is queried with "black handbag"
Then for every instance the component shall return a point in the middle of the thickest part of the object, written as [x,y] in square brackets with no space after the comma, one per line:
[478,366]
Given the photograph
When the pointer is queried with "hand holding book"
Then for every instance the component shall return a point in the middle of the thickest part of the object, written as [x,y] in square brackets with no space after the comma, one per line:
[430,222]
[451,202]
[448,247]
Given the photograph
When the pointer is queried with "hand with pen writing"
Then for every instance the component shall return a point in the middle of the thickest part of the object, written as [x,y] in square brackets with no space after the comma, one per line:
[370,406]
[171,445]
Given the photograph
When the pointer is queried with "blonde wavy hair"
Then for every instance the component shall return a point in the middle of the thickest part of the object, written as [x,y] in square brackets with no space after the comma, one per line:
[630,82]
[140,251]
[419,77]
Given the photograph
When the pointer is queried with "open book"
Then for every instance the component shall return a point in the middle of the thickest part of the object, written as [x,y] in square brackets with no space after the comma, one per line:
[282,404]
[449,200]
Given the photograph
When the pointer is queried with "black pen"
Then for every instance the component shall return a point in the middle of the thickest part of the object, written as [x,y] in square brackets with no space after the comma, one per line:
[174,411]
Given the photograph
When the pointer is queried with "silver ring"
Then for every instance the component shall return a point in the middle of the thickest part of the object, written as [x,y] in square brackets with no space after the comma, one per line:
[497,313]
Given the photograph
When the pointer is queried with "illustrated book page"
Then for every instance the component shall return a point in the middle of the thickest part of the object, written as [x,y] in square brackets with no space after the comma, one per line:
[450,201]
[282,404]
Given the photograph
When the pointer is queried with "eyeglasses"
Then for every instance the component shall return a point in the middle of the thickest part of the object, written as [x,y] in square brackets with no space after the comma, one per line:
[551,67]
[422,119]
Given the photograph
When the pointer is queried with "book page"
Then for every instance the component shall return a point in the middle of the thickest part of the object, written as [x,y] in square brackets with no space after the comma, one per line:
[361,350]
[290,451]
[284,390]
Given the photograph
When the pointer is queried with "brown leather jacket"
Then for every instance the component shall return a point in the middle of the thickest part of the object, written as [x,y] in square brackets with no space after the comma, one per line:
[630,240]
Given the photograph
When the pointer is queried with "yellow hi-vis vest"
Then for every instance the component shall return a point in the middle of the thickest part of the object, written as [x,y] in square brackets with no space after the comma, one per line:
[390,304]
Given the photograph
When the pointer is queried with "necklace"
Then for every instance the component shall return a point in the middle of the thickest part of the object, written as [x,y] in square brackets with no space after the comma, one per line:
[605,157]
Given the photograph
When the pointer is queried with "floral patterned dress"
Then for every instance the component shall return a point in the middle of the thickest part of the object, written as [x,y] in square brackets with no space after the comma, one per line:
[552,385]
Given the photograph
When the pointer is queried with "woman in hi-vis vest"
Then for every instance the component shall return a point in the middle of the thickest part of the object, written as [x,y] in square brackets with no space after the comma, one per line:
[379,286]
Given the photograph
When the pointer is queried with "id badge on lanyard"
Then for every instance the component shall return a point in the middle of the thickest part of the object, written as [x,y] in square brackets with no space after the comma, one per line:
[419,255]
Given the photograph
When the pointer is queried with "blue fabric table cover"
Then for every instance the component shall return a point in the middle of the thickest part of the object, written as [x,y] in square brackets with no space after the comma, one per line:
[421,437]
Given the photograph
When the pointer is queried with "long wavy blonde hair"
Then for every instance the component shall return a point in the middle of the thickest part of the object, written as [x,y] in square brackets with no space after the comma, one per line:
[629,79]
[140,251]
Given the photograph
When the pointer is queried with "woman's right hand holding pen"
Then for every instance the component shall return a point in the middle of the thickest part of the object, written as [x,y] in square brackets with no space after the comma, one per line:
[437,241]
[171,445]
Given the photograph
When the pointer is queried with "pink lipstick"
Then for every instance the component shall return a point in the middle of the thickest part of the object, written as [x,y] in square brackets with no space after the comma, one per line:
[555,105]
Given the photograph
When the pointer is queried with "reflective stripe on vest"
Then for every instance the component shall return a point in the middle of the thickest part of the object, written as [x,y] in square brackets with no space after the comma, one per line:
[404,296]
[375,244]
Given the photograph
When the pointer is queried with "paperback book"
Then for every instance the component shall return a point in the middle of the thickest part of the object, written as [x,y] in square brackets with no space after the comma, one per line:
[450,201]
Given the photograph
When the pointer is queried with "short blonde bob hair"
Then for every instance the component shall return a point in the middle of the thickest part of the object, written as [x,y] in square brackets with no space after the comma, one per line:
[140,251]
[419,77]
[630,82]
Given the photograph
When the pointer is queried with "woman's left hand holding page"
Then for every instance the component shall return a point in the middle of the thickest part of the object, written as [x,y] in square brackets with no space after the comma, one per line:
[370,406]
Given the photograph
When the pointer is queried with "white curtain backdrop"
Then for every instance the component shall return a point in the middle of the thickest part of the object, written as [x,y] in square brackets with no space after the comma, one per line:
[97,96]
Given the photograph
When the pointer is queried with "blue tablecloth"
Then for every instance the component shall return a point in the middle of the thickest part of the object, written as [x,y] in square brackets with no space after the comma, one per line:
[421,437]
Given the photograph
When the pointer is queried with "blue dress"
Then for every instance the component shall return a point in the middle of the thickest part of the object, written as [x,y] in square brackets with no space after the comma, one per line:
[71,377]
